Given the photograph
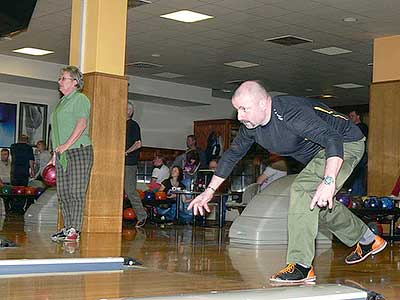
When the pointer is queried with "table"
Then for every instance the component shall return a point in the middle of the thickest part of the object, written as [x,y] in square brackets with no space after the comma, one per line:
[218,198]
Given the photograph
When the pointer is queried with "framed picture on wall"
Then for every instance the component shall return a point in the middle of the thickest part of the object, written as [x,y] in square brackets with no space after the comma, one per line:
[32,121]
[8,124]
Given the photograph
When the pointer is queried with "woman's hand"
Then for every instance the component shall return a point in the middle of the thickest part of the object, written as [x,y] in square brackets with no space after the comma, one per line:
[52,161]
[62,148]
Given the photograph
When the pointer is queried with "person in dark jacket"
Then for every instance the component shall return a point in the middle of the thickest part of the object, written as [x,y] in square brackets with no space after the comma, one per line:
[330,146]
[22,162]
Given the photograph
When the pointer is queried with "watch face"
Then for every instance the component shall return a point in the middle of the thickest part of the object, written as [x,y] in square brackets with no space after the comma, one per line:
[328,180]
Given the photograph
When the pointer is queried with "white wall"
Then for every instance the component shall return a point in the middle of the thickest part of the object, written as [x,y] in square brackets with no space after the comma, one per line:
[167,126]
[162,125]
[10,93]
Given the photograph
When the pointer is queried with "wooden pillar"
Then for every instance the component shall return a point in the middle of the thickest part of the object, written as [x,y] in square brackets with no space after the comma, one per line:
[384,124]
[98,41]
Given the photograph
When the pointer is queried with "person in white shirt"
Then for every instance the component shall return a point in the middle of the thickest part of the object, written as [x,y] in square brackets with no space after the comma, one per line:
[160,171]
[272,172]
[5,166]
[42,157]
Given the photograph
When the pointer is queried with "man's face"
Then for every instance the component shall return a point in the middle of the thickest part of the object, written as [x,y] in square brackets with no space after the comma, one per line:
[190,142]
[250,113]
[157,162]
[4,155]
[213,165]
[354,117]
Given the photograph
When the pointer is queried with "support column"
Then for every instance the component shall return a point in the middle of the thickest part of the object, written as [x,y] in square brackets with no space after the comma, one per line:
[384,112]
[98,41]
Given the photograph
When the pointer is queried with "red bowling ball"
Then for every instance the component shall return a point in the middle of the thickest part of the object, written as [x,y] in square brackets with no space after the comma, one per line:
[160,196]
[129,214]
[18,190]
[49,175]
[30,190]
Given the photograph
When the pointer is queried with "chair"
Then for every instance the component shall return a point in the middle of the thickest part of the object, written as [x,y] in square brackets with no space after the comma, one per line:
[248,194]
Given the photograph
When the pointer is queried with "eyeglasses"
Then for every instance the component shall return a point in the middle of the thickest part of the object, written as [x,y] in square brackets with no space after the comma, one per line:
[65,78]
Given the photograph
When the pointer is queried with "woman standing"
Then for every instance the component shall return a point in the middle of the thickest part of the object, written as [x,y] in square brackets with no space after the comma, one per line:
[73,151]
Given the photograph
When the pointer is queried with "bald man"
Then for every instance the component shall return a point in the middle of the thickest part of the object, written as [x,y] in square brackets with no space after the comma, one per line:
[328,144]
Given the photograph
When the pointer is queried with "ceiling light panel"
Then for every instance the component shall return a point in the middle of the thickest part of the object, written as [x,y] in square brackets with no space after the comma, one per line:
[348,85]
[168,75]
[33,51]
[241,64]
[186,16]
[332,51]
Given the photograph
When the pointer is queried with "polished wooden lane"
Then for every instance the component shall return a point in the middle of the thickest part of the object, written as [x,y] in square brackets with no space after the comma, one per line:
[176,260]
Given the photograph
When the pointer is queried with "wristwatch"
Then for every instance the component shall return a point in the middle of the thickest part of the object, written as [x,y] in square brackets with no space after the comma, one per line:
[328,180]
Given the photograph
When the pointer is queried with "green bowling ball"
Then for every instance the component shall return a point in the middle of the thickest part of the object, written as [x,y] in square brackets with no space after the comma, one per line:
[6,190]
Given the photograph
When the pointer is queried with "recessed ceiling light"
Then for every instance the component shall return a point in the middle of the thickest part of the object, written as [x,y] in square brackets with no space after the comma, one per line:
[186,16]
[155,55]
[33,51]
[241,64]
[235,82]
[168,75]
[350,19]
[348,85]
[309,90]
[370,64]
[332,51]
[327,96]
[288,40]
[276,93]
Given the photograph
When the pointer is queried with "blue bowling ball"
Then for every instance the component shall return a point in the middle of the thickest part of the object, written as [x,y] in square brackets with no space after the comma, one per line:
[39,192]
[373,202]
[149,196]
[345,199]
[376,228]
[357,203]
[387,203]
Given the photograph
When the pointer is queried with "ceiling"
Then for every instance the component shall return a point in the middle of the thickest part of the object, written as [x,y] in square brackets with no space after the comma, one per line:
[238,32]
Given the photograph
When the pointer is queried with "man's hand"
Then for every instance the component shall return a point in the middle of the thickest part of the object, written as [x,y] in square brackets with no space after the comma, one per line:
[323,196]
[200,203]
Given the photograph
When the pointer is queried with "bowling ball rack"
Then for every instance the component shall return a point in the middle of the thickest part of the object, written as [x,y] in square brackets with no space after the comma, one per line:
[385,216]
[17,203]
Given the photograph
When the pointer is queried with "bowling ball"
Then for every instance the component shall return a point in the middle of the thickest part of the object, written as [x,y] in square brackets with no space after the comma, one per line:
[30,190]
[357,203]
[128,234]
[7,190]
[49,175]
[376,228]
[149,196]
[39,191]
[129,214]
[160,196]
[387,203]
[18,190]
[373,202]
[344,199]
[141,194]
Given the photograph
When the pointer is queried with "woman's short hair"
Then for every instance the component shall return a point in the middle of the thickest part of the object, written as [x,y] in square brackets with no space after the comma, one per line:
[76,74]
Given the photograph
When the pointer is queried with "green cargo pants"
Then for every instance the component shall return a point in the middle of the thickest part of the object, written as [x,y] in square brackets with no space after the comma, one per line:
[303,222]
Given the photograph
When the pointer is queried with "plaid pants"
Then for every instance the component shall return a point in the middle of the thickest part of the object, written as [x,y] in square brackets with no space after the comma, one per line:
[72,184]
